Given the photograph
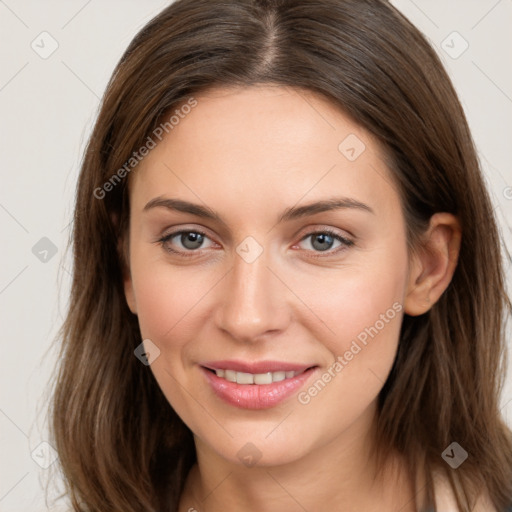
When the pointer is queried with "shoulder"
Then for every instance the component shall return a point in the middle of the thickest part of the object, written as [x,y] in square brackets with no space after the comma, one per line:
[446,502]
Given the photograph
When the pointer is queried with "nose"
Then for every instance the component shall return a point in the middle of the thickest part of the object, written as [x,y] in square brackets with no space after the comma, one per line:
[253,303]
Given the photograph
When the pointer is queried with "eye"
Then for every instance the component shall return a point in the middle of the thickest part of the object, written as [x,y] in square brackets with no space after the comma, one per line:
[190,242]
[325,241]
[184,241]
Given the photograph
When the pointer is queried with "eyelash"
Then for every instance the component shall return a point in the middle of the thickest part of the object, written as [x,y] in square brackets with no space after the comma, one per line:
[319,254]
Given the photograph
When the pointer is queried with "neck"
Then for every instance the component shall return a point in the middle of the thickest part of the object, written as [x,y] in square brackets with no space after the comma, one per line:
[338,475]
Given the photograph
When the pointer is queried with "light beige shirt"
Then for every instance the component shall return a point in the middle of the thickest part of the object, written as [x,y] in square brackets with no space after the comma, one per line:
[445,499]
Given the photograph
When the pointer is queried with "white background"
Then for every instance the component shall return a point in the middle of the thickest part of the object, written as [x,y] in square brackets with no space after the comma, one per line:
[47,109]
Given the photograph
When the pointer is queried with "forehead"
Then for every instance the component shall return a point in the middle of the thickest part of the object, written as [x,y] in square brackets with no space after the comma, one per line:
[240,117]
[259,142]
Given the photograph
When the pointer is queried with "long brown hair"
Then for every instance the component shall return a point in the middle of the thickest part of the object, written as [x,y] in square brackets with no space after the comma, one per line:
[121,446]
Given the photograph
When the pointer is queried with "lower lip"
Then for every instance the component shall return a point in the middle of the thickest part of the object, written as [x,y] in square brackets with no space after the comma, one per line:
[256,396]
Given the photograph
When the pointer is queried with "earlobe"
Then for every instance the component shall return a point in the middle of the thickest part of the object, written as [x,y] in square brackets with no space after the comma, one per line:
[433,265]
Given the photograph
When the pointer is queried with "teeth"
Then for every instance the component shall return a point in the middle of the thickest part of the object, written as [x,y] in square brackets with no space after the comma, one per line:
[244,378]
[263,378]
[258,378]
[230,375]
[278,376]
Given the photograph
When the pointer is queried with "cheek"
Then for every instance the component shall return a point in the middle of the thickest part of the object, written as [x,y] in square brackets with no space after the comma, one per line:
[168,298]
[366,318]
[367,310]
[359,317]
[170,310]
[350,303]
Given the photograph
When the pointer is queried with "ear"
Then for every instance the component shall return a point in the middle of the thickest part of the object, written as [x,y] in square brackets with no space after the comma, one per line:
[433,264]
[123,250]
[129,293]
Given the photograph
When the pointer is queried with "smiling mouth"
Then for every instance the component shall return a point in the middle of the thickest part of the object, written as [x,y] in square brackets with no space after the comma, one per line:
[256,385]
[256,378]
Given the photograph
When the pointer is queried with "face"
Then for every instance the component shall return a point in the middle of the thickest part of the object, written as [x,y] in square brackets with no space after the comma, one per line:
[267,242]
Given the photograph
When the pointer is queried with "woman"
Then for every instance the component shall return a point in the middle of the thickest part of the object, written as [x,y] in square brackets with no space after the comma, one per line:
[288,292]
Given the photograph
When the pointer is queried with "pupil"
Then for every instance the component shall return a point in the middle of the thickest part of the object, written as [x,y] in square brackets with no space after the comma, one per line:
[325,242]
[191,240]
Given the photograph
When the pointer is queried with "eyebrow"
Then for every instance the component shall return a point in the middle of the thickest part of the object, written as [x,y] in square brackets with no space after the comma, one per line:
[294,212]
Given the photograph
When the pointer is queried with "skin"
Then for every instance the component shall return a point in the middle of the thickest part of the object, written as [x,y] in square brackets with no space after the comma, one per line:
[249,154]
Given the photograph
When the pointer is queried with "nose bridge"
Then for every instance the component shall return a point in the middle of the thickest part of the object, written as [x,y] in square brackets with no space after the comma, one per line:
[253,303]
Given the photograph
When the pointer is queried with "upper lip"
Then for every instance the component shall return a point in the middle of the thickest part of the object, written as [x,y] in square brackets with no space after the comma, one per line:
[256,367]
